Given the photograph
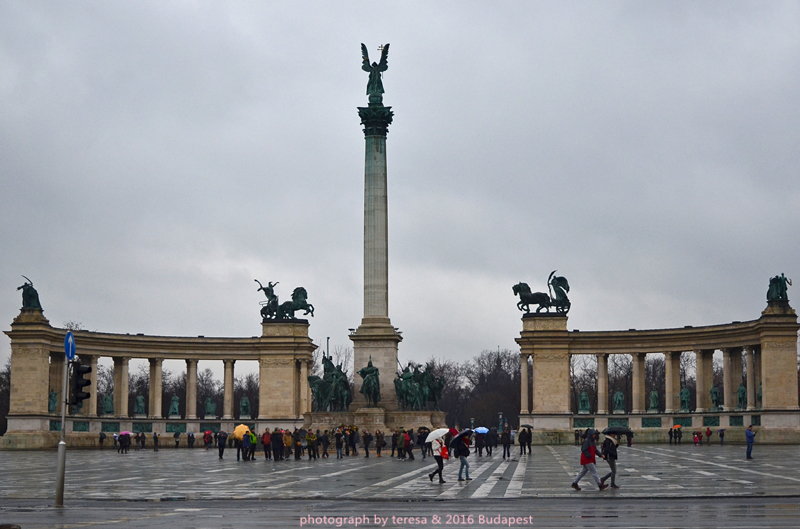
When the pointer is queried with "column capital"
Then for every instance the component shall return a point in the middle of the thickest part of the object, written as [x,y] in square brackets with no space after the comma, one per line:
[153,361]
[376,119]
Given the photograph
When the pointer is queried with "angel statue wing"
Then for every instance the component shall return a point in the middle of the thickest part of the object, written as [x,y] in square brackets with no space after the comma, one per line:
[383,65]
[365,56]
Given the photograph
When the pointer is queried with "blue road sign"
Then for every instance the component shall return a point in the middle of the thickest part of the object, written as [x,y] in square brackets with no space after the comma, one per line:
[69,345]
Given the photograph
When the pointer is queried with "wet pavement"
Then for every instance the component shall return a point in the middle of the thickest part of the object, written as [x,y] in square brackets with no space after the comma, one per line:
[661,486]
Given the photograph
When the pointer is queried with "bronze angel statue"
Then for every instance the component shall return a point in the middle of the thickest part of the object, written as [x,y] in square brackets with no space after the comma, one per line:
[375,85]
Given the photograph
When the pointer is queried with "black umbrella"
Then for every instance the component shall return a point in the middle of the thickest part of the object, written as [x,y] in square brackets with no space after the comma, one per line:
[459,436]
[618,430]
[525,426]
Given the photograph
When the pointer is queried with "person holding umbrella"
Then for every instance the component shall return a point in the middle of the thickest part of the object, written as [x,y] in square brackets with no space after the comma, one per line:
[460,446]
[609,452]
[222,440]
[588,452]
[439,451]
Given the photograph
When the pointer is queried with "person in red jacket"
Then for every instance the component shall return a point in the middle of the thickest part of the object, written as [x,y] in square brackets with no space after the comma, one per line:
[588,453]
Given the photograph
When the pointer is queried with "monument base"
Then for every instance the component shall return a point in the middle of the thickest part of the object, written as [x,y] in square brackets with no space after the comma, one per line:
[653,411]
[619,412]
[139,416]
[583,412]
[375,419]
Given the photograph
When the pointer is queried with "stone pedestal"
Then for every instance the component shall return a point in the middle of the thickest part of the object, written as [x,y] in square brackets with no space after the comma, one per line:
[376,339]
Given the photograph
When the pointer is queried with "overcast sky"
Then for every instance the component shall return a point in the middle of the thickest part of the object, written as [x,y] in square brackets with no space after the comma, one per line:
[156,157]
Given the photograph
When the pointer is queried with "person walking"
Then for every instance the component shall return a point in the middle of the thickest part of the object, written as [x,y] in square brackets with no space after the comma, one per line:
[505,438]
[177,437]
[325,441]
[379,442]
[102,438]
[670,435]
[528,439]
[422,436]
[339,441]
[480,440]
[408,436]
[222,440]
[116,442]
[750,437]
[353,442]
[365,435]
[588,452]
[243,446]
[439,454]
[523,443]
[287,445]
[721,433]
[266,440]
[679,434]
[401,443]
[311,442]
[609,453]
[155,442]
[253,445]
[395,436]
[277,444]
[462,450]
[297,445]
[190,439]
[708,436]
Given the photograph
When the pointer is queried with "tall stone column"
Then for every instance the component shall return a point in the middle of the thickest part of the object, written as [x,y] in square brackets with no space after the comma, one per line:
[757,370]
[704,376]
[638,383]
[751,379]
[125,388]
[155,388]
[191,389]
[263,388]
[121,386]
[523,377]
[376,338]
[227,405]
[671,400]
[728,390]
[92,404]
[305,406]
[602,383]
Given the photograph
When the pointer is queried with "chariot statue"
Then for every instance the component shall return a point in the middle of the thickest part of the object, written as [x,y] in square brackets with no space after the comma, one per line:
[273,310]
[557,286]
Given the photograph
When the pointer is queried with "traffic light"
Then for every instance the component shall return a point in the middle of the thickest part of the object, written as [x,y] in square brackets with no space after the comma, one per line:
[78,382]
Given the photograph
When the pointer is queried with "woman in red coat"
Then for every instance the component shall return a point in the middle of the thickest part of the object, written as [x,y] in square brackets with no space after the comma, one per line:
[588,453]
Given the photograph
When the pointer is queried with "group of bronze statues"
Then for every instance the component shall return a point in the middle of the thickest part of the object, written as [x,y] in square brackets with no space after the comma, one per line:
[558,286]
[332,391]
[415,388]
[272,309]
[684,395]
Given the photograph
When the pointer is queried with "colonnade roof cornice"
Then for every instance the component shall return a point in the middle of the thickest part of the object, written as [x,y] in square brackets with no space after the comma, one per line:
[736,334]
[167,347]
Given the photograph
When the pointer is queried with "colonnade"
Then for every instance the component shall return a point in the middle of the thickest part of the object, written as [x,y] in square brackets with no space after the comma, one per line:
[764,350]
[732,377]
[294,388]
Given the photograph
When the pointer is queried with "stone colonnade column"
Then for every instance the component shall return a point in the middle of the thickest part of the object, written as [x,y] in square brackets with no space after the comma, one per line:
[700,382]
[305,406]
[602,383]
[191,389]
[727,379]
[638,382]
[751,379]
[124,388]
[92,360]
[263,388]
[57,379]
[523,376]
[757,369]
[227,406]
[155,388]
[121,386]
[670,390]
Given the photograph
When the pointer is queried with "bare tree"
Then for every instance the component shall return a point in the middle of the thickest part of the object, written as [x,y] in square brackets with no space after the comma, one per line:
[208,387]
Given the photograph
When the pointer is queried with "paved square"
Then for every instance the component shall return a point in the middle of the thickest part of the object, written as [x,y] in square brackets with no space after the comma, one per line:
[644,471]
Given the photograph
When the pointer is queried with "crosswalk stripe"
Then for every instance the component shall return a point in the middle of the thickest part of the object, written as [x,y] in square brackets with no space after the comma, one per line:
[515,487]
[456,488]
[484,490]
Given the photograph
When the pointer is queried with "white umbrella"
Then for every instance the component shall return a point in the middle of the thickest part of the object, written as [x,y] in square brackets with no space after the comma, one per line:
[437,434]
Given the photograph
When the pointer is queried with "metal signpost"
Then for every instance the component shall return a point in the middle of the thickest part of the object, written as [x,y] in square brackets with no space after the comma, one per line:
[69,350]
